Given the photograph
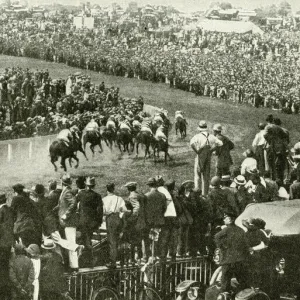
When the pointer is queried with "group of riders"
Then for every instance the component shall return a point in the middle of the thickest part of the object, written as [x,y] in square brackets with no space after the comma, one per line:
[124,128]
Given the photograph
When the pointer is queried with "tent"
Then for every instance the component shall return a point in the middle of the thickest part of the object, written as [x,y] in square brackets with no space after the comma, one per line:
[281,217]
[229,26]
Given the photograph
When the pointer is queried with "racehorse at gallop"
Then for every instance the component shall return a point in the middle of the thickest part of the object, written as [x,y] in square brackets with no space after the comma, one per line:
[180,125]
[61,149]
[160,142]
[125,138]
[94,138]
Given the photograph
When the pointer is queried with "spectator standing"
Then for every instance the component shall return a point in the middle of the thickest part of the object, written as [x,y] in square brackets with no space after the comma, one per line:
[90,213]
[234,248]
[242,195]
[113,209]
[6,242]
[272,187]
[68,218]
[224,160]
[203,145]
[155,208]
[33,252]
[21,274]
[259,144]
[53,284]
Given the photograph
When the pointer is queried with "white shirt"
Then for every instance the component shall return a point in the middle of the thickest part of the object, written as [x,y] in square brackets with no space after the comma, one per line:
[249,163]
[113,203]
[201,139]
[259,139]
[170,211]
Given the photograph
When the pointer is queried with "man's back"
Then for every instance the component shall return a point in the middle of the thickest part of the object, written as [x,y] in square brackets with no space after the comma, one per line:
[155,207]
[295,190]
[233,244]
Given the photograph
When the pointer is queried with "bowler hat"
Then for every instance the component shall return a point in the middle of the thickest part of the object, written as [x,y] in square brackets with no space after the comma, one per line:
[18,188]
[90,181]
[202,126]
[39,189]
[215,181]
[33,250]
[3,199]
[130,184]
[66,179]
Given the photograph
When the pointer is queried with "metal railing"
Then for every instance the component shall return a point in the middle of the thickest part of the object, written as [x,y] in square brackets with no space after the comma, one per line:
[126,280]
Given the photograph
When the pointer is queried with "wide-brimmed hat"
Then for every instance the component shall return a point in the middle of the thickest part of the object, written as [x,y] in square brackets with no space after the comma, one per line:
[188,183]
[66,179]
[130,184]
[48,244]
[90,181]
[151,181]
[217,127]
[240,180]
[3,199]
[202,126]
[33,250]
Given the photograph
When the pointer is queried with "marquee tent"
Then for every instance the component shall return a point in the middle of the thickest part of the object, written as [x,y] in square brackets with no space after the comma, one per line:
[229,26]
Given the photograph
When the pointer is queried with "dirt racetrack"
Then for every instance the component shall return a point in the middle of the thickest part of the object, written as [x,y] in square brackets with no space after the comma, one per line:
[239,121]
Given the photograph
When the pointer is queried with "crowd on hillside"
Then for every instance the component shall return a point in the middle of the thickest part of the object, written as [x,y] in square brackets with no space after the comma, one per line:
[32,103]
[170,221]
[259,69]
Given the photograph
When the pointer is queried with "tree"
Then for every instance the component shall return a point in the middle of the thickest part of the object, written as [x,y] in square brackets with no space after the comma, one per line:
[225,5]
[284,8]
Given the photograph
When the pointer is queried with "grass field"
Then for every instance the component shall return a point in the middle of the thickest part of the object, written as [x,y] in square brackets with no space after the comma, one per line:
[239,122]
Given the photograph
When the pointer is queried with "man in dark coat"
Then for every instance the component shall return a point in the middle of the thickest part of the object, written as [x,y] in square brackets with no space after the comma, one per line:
[155,208]
[21,274]
[6,242]
[53,284]
[67,207]
[27,223]
[90,213]
[224,160]
[234,255]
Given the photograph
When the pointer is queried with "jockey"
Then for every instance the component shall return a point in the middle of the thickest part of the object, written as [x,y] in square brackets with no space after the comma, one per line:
[111,124]
[92,126]
[146,125]
[160,135]
[125,124]
[65,136]
[179,116]
[136,123]
[158,119]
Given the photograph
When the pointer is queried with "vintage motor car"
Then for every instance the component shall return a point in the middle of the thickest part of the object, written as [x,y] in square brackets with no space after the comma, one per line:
[282,266]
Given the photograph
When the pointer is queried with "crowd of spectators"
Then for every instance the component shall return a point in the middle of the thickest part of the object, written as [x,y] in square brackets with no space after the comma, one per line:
[32,103]
[259,69]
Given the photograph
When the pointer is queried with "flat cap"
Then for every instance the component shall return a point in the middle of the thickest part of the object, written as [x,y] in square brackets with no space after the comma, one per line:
[130,184]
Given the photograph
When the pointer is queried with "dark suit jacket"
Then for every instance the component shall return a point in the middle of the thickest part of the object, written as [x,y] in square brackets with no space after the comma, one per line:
[67,205]
[223,152]
[295,191]
[233,244]
[155,207]
[6,227]
[90,209]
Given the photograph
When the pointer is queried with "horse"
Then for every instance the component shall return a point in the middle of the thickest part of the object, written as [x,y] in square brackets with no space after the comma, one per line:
[109,137]
[124,137]
[161,144]
[94,138]
[146,138]
[181,126]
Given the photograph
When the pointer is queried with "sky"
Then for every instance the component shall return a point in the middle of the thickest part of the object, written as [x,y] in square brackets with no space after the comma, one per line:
[186,5]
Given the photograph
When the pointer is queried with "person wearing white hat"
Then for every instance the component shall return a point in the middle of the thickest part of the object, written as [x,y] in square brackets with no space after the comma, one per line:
[203,145]
[242,195]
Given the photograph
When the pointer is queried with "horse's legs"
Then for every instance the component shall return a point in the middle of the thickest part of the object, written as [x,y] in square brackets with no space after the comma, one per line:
[92,149]
[63,163]
[53,160]
[100,146]
[77,160]
[137,149]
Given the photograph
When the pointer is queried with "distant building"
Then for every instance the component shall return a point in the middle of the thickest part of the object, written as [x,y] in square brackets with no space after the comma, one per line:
[246,15]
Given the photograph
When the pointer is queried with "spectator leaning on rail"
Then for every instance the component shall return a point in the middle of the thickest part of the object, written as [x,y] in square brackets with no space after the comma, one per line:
[203,145]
